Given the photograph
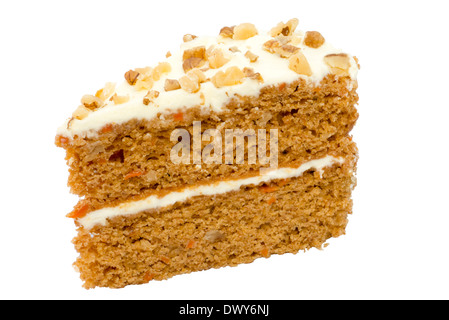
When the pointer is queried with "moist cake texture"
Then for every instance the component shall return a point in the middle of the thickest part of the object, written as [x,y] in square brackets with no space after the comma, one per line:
[143,216]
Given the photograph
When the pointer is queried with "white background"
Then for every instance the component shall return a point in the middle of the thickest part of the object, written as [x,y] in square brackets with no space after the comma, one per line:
[396,246]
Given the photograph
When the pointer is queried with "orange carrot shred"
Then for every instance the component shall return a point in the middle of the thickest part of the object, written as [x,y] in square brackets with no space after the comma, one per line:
[133,174]
[164,259]
[264,252]
[271,200]
[190,244]
[148,276]
[267,189]
[106,128]
[178,116]
[79,211]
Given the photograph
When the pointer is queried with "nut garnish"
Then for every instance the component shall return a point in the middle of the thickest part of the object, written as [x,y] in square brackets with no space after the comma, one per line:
[188,37]
[338,63]
[191,63]
[280,47]
[81,112]
[119,99]
[244,31]
[271,46]
[161,68]
[197,75]
[285,29]
[131,77]
[249,73]
[196,52]
[299,64]
[287,50]
[230,77]
[106,92]
[234,49]
[91,102]
[216,57]
[151,95]
[251,56]
[171,84]
[189,84]
[227,32]
[313,39]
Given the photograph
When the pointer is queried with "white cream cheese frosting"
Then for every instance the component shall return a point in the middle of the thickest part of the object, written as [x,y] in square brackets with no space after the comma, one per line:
[153,202]
[273,69]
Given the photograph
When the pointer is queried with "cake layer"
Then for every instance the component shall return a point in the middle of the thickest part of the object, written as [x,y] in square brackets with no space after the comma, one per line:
[134,159]
[212,231]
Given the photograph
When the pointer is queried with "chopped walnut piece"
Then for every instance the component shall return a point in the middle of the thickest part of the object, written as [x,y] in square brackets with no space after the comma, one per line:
[214,236]
[188,37]
[119,99]
[91,102]
[338,63]
[161,68]
[227,32]
[191,63]
[189,84]
[251,56]
[131,77]
[81,112]
[271,46]
[144,80]
[287,50]
[234,49]
[299,64]
[171,84]
[357,62]
[106,92]
[150,96]
[196,52]
[285,29]
[249,73]
[230,77]
[313,39]
[216,57]
[197,75]
[244,31]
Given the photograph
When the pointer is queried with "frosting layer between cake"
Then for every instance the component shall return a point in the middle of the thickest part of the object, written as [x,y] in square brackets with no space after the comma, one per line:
[153,202]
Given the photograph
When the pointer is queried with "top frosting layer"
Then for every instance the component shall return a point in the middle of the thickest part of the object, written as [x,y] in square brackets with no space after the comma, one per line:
[208,71]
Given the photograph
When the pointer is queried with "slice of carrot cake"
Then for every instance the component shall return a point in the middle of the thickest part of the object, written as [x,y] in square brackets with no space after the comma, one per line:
[234,148]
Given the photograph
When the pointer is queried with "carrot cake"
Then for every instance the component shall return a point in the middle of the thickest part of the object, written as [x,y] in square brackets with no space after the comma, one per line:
[235,147]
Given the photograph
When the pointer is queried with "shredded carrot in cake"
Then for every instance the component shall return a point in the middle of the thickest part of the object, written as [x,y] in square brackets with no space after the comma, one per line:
[178,116]
[148,276]
[264,252]
[271,200]
[164,259]
[106,128]
[190,244]
[79,211]
[133,174]
[267,189]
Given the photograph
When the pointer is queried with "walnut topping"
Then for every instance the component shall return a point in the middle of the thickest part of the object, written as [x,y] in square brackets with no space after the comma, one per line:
[144,80]
[106,92]
[188,37]
[161,68]
[227,32]
[244,31]
[216,57]
[171,84]
[119,99]
[313,39]
[285,29]
[249,73]
[197,75]
[150,96]
[81,112]
[196,52]
[189,84]
[193,62]
[338,63]
[299,64]
[91,102]
[230,77]
[280,47]
[234,49]
[251,56]
[131,77]
[287,50]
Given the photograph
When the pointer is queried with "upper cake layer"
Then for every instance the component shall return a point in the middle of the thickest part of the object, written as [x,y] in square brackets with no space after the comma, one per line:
[209,72]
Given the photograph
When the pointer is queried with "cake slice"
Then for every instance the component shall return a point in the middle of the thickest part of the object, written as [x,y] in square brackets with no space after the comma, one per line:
[234,148]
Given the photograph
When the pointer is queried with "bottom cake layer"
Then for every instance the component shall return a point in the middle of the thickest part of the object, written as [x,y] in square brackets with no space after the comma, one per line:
[212,231]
